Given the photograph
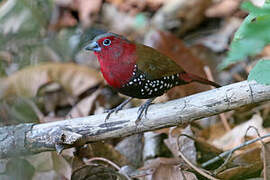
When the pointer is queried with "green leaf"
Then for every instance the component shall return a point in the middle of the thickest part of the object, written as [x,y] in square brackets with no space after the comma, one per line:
[261,72]
[252,35]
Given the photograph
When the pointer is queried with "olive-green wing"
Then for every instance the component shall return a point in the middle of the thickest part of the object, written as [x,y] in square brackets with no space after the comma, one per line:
[154,63]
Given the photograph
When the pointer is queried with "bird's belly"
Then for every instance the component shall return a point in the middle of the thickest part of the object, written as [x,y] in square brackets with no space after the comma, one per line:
[136,92]
[139,87]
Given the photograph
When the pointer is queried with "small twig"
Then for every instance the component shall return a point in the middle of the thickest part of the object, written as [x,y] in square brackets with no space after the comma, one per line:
[190,137]
[220,168]
[198,170]
[183,175]
[226,153]
[265,174]
[253,127]
[222,116]
[88,161]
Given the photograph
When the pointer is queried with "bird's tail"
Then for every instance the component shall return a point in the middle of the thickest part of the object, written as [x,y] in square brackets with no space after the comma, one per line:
[187,77]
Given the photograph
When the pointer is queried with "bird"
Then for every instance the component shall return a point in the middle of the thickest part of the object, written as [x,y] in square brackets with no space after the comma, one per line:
[137,70]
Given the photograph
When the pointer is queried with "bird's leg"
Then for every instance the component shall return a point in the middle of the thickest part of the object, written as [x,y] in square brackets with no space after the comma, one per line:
[118,108]
[143,108]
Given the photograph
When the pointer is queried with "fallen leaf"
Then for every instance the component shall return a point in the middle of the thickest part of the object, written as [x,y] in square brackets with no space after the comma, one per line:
[180,16]
[130,6]
[104,150]
[96,172]
[75,79]
[51,164]
[169,172]
[235,136]
[247,164]
[111,16]
[223,8]
[85,106]
[154,163]
[132,148]
[266,160]
[88,11]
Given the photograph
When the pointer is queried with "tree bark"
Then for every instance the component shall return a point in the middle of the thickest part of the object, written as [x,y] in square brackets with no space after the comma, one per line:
[33,138]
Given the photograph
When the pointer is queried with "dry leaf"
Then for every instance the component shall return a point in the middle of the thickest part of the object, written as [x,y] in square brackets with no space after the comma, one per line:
[130,6]
[96,172]
[50,164]
[223,8]
[111,16]
[165,168]
[88,11]
[131,147]
[180,15]
[266,160]
[186,144]
[246,164]
[85,106]
[170,172]
[73,78]
[235,136]
[104,150]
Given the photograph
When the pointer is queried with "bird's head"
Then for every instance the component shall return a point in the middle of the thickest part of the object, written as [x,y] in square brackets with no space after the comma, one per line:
[107,43]
[116,55]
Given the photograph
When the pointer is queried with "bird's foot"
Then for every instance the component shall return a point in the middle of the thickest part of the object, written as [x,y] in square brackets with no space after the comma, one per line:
[143,109]
[116,109]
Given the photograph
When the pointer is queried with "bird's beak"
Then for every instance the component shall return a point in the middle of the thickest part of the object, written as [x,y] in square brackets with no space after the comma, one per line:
[93,46]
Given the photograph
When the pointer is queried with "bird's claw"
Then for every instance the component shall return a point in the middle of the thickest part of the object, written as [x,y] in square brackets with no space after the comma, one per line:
[116,109]
[143,108]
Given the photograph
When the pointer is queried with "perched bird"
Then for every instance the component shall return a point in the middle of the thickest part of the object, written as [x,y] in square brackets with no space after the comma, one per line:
[138,71]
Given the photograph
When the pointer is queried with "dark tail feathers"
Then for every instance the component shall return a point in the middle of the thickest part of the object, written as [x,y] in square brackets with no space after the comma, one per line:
[187,77]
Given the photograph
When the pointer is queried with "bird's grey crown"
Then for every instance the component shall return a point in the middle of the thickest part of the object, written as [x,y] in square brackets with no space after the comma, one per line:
[108,34]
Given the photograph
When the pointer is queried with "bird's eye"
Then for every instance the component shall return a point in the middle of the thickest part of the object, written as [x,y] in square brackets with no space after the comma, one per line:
[106,42]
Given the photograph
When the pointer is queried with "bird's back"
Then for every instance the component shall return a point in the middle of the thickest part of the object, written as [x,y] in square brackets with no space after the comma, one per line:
[154,63]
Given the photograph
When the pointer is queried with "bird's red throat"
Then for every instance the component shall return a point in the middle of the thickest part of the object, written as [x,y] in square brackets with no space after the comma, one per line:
[117,63]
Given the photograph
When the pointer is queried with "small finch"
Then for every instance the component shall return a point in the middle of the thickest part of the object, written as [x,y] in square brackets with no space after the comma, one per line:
[138,71]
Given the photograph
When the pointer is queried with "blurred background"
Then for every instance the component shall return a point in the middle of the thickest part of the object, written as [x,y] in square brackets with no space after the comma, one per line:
[46,75]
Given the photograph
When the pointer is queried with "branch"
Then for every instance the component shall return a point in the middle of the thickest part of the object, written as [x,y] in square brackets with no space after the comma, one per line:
[34,138]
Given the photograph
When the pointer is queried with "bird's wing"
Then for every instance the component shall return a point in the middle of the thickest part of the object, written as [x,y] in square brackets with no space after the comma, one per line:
[155,64]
